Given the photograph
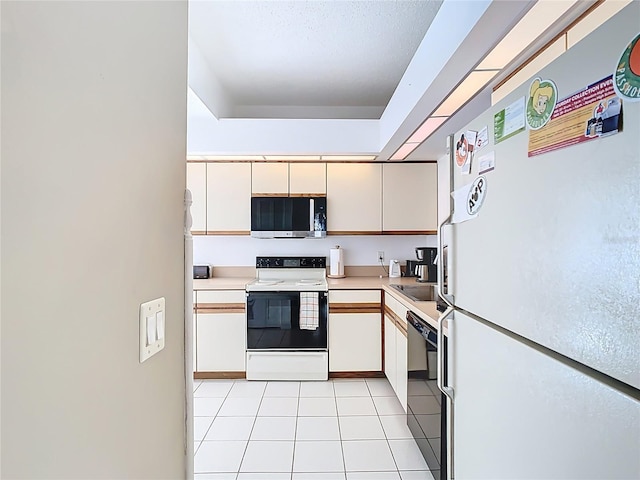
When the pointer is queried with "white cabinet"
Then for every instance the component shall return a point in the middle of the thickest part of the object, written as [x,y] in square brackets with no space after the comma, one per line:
[220,331]
[409,193]
[390,363]
[307,178]
[228,198]
[270,178]
[402,372]
[395,347]
[355,333]
[194,337]
[197,184]
[295,179]
[354,198]
[362,198]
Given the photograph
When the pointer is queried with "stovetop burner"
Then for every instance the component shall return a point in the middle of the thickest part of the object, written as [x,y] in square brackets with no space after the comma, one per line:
[266,282]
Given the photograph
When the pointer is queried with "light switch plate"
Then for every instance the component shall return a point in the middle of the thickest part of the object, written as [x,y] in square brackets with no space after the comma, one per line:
[152,316]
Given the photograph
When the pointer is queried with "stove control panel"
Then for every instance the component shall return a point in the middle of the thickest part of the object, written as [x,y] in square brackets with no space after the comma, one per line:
[291,262]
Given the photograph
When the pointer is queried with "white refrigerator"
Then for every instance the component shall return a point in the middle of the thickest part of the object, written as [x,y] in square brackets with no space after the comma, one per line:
[544,341]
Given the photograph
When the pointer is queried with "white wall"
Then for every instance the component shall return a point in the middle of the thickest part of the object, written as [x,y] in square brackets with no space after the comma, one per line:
[93,148]
[358,249]
[281,136]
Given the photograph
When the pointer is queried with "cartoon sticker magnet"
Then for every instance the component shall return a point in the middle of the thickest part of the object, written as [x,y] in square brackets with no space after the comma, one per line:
[476,196]
[543,95]
[462,150]
[627,74]
[470,137]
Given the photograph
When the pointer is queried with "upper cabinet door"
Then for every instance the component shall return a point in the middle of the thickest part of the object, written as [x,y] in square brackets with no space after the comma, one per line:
[270,178]
[197,184]
[410,197]
[307,178]
[229,198]
[354,198]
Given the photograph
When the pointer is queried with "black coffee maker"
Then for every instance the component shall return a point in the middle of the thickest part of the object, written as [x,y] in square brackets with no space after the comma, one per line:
[426,268]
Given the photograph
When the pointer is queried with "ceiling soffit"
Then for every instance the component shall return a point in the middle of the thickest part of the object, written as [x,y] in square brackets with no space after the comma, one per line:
[424,84]
[320,59]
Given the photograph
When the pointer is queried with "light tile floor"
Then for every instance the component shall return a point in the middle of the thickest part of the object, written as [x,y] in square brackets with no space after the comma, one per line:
[351,429]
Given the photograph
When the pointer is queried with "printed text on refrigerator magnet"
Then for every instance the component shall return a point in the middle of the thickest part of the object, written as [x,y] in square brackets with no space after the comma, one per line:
[477,194]
[483,137]
[627,74]
[486,163]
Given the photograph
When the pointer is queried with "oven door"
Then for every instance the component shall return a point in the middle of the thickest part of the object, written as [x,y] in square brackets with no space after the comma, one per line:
[275,322]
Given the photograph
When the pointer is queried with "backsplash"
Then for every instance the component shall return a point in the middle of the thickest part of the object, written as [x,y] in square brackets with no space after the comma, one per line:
[359,250]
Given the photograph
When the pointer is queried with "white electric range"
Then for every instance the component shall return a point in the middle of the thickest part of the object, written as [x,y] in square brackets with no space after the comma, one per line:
[287,313]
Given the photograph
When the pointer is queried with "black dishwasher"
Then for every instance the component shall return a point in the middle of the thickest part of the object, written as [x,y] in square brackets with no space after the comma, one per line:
[426,405]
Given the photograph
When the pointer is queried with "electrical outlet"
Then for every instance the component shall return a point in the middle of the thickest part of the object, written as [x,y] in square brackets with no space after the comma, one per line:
[380,256]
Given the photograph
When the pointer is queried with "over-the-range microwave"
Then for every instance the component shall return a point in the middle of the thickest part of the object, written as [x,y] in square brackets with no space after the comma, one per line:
[288,217]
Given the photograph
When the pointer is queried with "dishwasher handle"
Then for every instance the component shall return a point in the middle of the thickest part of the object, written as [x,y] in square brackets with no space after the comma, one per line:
[425,330]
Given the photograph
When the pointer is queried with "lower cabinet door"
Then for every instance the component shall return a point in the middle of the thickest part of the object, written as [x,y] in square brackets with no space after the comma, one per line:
[194,335]
[390,361]
[355,342]
[401,368]
[221,342]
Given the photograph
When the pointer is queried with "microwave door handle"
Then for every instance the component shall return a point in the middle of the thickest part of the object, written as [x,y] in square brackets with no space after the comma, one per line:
[311,214]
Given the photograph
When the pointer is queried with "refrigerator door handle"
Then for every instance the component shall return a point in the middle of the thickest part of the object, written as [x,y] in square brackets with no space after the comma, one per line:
[448,391]
[449,300]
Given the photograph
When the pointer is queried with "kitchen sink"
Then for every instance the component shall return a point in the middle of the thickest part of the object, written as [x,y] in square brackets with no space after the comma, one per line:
[418,293]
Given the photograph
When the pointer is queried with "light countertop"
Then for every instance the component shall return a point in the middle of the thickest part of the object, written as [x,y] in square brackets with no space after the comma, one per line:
[222,283]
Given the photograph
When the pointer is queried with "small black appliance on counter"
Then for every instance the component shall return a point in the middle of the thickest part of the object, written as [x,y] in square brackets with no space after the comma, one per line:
[426,269]
[410,269]
[202,272]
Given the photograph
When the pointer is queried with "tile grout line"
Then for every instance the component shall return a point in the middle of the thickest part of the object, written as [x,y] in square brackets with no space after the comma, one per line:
[214,417]
[344,462]
[295,431]
[386,437]
[251,431]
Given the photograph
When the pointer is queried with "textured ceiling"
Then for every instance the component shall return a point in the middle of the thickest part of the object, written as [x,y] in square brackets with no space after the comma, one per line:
[309,53]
